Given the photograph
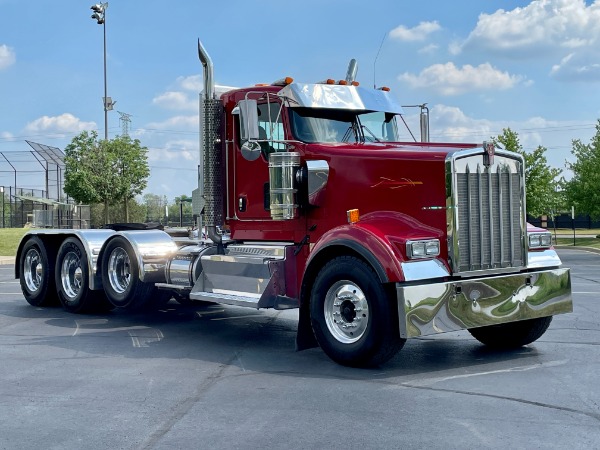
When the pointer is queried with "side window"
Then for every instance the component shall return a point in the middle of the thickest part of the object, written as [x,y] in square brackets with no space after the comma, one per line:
[270,127]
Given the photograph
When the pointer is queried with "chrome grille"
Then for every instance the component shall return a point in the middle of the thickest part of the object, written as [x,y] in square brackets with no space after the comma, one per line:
[489,215]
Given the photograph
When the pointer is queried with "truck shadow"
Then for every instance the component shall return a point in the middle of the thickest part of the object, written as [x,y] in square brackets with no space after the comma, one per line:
[251,340]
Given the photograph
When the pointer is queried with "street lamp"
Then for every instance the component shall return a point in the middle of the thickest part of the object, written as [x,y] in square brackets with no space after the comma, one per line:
[99,16]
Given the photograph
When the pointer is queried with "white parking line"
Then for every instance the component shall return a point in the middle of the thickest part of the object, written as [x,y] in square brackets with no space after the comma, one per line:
[430,381]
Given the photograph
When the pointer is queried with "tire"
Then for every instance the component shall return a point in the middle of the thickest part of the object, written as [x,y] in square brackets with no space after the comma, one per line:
[36,273]
[361,330]
[121,278]
[512,335]
[72,278]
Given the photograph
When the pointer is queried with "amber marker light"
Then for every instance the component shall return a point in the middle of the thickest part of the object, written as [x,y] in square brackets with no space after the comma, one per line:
[343,82]
[353,215]
[355,83]
[283,81]
[385,88]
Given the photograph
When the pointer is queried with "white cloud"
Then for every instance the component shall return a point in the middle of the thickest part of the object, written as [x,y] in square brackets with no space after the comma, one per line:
[578,67]
[567,30]
[418,33]
[182,151]
[538,27]
[176,123]
[65,123]
[428,49]
[191,83]
[447,79]
[7,56]
[175,100]
[5,135]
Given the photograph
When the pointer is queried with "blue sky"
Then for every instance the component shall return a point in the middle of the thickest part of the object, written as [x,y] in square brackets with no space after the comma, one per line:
[481,66]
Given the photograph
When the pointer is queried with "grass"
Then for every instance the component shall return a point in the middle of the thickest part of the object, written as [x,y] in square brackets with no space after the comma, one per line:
[579,242]
[582,239]
[9,240]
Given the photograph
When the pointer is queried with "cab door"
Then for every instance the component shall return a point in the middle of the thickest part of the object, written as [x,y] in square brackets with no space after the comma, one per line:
[251,177]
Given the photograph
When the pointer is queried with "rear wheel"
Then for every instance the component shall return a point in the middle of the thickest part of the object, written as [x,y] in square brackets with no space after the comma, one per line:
[354,318]
[121,278]
[512,335]
[36,275]
[73,280]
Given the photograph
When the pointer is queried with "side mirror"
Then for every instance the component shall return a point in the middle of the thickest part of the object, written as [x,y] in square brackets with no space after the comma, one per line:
[251,150]
[248,110]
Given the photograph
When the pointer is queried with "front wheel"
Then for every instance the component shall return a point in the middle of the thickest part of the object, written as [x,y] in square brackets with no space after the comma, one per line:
[354,318]
[512,335]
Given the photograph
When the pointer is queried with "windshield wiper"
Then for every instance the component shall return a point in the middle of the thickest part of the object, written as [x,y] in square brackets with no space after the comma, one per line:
[352,129]
[375,138]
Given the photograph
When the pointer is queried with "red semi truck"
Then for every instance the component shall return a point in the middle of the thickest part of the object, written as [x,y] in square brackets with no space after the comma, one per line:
[310,200]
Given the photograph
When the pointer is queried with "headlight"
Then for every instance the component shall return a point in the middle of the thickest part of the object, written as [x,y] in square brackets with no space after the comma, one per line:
[423,249]
[540,240]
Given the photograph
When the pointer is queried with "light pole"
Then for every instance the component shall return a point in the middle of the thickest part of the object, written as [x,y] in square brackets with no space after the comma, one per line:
[2,193]
[99,16]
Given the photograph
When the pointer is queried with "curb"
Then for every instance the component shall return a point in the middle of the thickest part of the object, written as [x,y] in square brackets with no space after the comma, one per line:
[584,249]
[5,260]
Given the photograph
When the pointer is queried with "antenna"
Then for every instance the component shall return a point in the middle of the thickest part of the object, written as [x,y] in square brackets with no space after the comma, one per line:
[124,121]
[377,56]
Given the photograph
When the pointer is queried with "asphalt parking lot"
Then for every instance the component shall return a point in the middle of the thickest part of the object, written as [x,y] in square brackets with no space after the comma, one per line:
[227,377]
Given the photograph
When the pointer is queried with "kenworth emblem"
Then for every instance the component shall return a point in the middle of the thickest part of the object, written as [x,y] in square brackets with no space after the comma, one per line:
[488,156]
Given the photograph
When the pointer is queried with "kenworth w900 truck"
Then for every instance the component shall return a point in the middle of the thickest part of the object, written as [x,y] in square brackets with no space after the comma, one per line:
[310,200]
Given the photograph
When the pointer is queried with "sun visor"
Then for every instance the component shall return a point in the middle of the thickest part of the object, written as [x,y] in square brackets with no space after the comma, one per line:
[334,96]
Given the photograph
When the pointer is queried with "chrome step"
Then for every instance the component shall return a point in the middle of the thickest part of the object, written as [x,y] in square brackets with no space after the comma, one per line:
[227,299]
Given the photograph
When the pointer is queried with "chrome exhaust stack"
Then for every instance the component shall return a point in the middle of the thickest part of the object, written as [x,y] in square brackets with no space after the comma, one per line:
[424,121]
[210,154]
[352,71]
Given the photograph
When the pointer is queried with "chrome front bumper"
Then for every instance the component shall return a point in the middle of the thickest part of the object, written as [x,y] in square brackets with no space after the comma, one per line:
[477,302]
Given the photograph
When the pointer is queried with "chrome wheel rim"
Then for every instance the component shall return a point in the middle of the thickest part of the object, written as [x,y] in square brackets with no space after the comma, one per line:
[71,275]
[33,270]
[346,312]
[119,274]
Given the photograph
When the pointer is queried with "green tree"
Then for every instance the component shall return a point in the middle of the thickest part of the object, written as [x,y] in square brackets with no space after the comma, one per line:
[541,180]
[583,190]
[137,213]
[107,172]
[155,206]
[132,168]
[185,203]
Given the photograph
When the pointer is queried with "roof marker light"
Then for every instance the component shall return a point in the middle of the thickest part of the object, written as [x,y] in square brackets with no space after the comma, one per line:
[385,88]
[343,82]
[355,83]
[283,81]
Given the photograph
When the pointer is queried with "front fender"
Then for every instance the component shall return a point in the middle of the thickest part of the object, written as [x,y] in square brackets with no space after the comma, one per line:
[380,238]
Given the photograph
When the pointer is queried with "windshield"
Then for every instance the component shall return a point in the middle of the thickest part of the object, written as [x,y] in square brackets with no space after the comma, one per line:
[334,125]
